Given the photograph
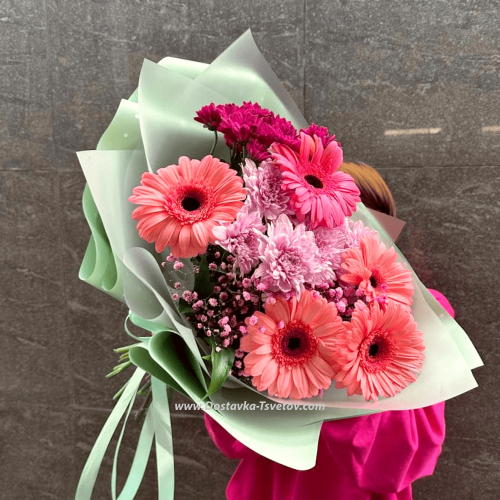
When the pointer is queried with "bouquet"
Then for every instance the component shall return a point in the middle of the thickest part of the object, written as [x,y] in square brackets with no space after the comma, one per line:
[253,270]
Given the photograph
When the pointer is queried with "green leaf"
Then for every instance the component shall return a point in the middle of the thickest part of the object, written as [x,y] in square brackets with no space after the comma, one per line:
[185,308]
[202,284]
[222,363]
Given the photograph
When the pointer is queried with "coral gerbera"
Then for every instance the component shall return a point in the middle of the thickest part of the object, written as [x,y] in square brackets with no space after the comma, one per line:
[312,180]
[379,352]
[376,272]
[181,204]
[291,345]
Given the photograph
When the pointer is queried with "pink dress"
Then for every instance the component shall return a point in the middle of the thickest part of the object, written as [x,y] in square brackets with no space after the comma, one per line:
[374,457]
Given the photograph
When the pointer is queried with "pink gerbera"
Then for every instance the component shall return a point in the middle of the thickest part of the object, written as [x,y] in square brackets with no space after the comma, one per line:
[379,352]
[290,346]
[181,204]
[315,185]
[376,272]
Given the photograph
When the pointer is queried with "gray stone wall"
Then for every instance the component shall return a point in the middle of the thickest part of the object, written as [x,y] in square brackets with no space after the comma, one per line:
[367,70]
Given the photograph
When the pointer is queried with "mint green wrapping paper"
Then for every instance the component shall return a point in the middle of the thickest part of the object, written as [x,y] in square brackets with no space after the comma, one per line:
[153,129]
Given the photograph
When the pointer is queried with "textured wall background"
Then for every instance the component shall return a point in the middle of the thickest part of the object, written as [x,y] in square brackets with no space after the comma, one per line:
[359,67]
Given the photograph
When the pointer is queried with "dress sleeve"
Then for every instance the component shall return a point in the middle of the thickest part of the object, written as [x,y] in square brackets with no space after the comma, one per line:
[386,452]
[226,443]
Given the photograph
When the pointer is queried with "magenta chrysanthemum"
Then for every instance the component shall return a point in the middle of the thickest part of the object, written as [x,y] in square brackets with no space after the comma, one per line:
[241,238]
[289,257]
[377,273]
[280,130]
[181,204]
[257,151]
[315,185]
[209,116]
[264,189]
[321,132]
[379,352]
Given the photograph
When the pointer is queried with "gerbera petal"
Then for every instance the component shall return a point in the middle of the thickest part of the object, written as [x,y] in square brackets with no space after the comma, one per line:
[388,349]
[269,373]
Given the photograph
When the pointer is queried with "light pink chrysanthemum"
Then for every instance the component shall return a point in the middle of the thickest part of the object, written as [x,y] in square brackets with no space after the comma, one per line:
[331,244]
[264,189]
[289,257]
[291,345]
[377,273]
[241,238]
[314,183]
[379,352]
[181,204]
[354,231]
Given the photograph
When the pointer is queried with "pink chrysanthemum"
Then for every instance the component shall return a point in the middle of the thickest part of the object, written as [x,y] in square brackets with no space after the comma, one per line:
[379,352]
[181,204]
[355,231]
[315,185]
[331,244]
[290,346]
[264,189]
[241,238]
[376,272]
[289,257]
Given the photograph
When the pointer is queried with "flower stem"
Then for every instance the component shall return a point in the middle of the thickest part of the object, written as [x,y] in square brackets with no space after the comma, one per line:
[214,145]
[118,369]
[118,395]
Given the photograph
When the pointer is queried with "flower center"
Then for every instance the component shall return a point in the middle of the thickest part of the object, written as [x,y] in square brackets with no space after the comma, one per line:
[190,203]
[373,350]
[376,279]
[314,181]
[294,344]
[377,351]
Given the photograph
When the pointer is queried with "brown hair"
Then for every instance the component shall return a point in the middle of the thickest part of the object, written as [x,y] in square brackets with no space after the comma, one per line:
[375,193]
